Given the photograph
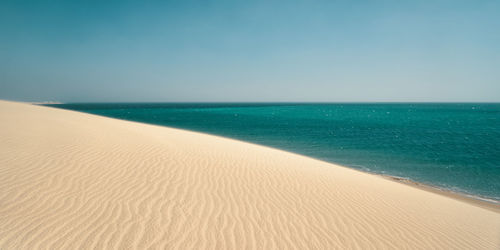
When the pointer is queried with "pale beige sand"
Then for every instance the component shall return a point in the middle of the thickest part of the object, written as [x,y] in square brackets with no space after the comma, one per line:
[71,180]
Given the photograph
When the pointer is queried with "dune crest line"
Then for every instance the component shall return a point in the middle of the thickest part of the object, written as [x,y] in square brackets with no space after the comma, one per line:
[73,180]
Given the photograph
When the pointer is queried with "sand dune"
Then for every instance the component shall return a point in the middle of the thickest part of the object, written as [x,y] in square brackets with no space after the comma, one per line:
[71,180]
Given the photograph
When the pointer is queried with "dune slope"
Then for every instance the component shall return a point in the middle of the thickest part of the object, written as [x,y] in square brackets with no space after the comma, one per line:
[72,180]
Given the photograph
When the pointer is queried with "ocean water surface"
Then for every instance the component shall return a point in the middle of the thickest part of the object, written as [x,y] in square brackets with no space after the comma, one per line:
[452,146]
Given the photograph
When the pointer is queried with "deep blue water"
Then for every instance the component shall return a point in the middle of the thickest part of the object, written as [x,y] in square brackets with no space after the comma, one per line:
[453,146]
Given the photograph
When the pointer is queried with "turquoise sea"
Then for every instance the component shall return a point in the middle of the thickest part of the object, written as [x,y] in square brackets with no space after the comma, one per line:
[452,146]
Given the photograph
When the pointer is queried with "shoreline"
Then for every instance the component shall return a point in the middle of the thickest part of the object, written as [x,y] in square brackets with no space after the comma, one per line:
[477,200]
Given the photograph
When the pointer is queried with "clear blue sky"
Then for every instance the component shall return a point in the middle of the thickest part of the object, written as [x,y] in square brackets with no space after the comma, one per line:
[331,51]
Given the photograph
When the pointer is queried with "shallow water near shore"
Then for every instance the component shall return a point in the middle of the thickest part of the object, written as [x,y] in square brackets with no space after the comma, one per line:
[451,146]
